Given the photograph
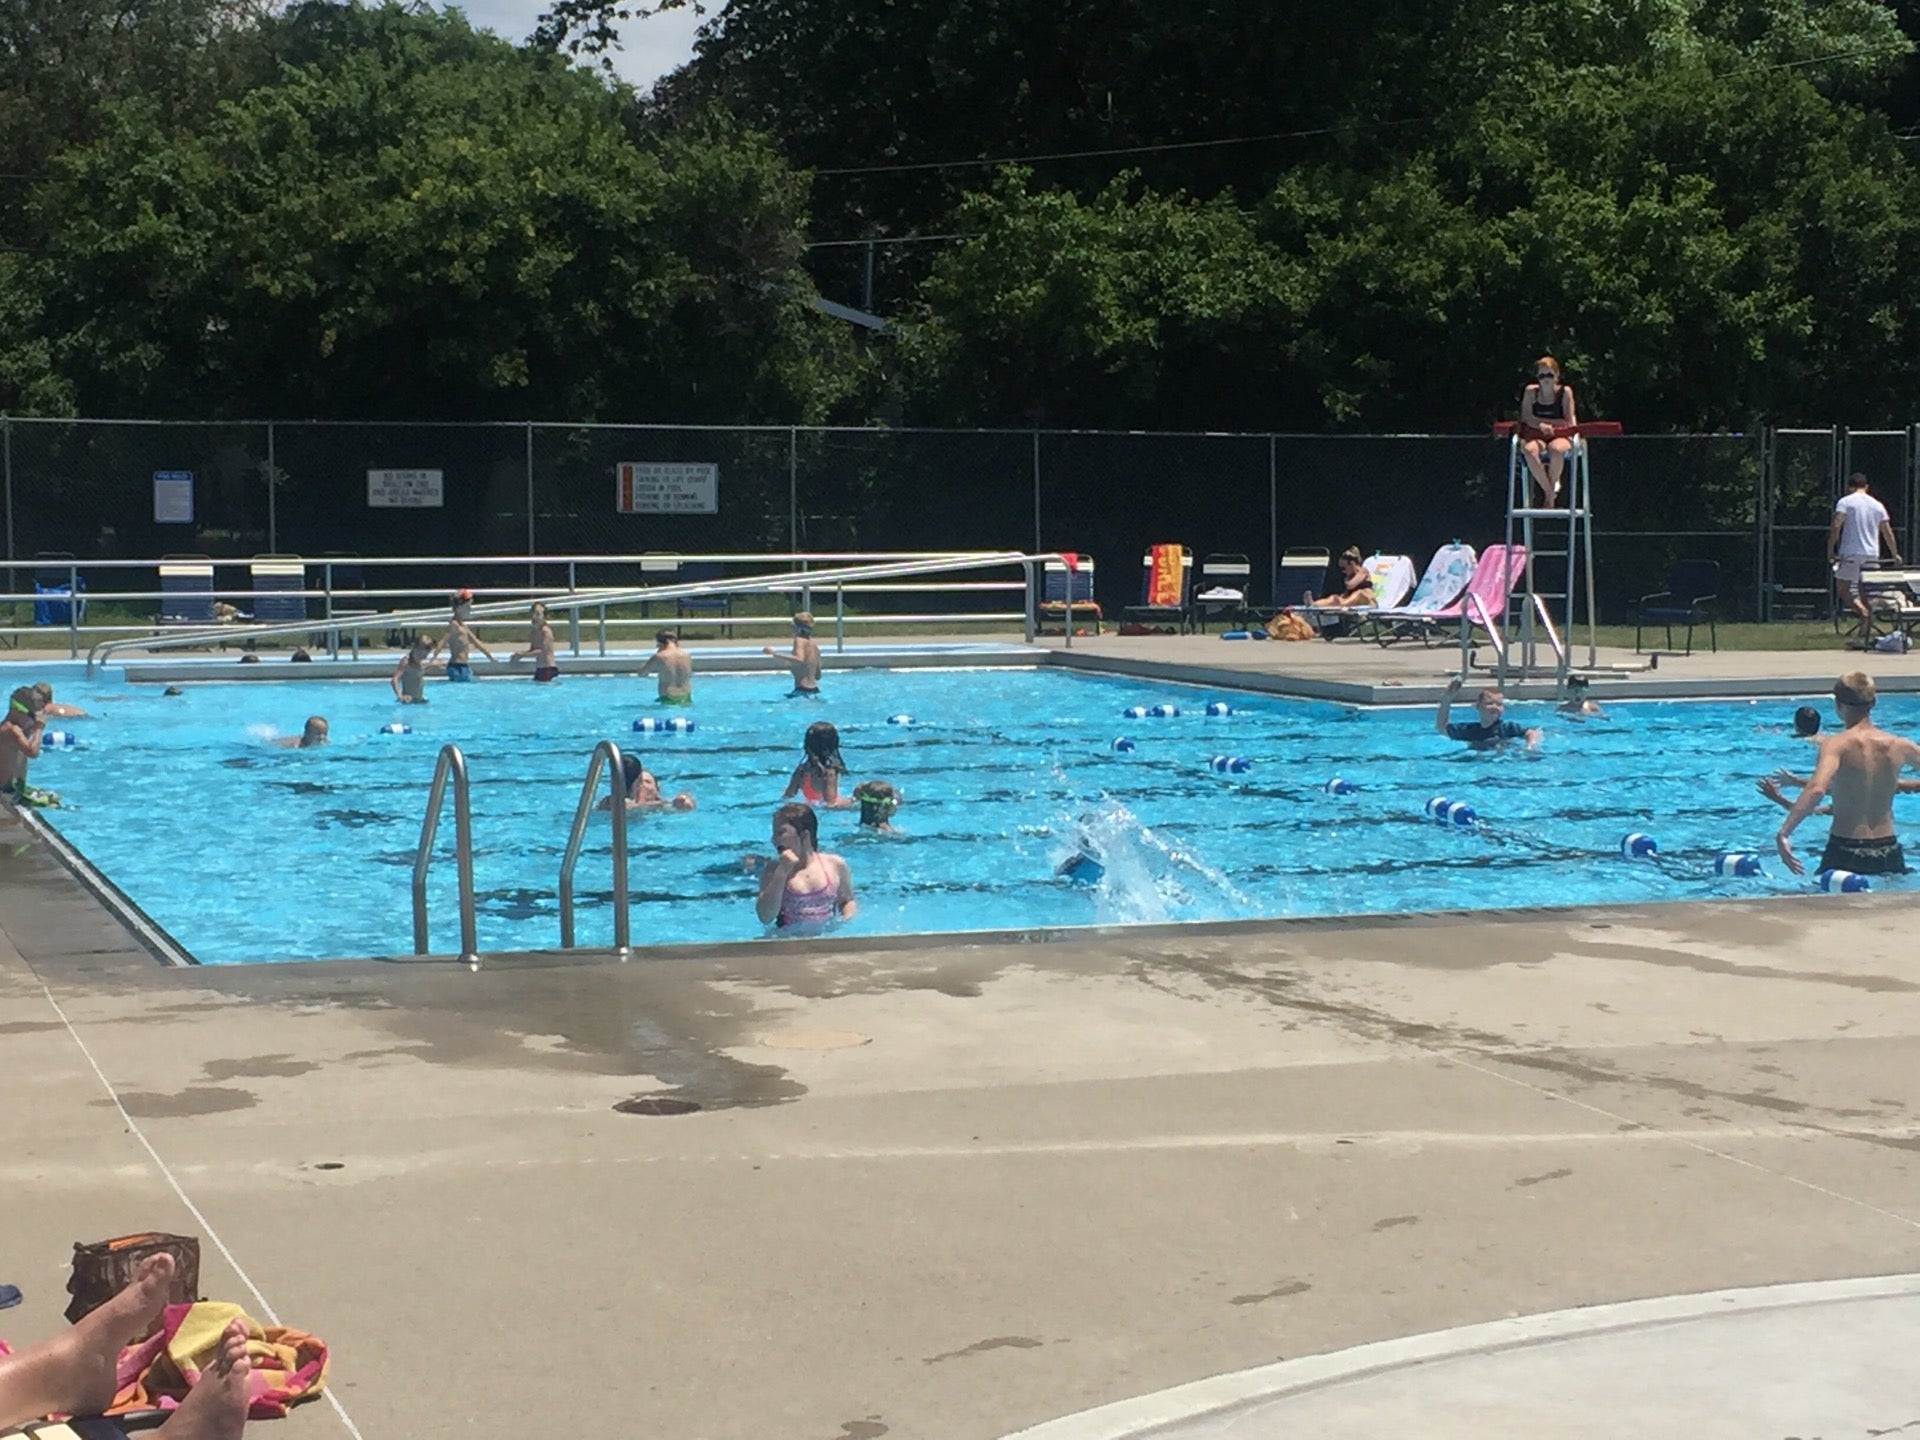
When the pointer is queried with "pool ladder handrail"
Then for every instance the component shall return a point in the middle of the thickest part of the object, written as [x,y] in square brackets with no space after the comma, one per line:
[452,765]
[605,755]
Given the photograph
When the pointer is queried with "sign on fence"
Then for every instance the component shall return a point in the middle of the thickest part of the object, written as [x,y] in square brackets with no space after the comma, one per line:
[645,487]
[173,497]
[406,489]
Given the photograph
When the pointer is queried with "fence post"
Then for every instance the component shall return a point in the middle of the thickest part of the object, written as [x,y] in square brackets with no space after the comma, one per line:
[531,551]
[273,511]
[1036,511]
[6,443]
[1273,520]
[793,489]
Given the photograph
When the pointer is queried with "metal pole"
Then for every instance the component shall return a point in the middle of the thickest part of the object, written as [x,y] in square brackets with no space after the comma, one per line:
[273,490]
[1273,518]
[867,304]
[531,551]
[793,489]
[6,439]
[1036,515]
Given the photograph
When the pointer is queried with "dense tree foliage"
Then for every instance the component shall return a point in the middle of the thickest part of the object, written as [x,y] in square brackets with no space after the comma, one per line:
[1090,212]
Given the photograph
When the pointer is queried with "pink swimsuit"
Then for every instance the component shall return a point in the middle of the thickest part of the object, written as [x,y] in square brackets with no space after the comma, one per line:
[807,907]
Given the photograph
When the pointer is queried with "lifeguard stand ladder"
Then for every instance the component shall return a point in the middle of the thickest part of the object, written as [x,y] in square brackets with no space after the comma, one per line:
[1554,596]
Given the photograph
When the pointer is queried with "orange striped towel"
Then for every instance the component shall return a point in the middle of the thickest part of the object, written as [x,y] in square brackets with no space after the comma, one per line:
[1167,575]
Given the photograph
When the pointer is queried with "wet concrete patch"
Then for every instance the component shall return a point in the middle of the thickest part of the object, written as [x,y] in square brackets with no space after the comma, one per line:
[1278,1292]
[980,1347]
[259,1067]
[194,1100]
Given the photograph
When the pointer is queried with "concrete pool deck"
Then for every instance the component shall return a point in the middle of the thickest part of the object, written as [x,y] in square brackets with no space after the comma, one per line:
[963,1190]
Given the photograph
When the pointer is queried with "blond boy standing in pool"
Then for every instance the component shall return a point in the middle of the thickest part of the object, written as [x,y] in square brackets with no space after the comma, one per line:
[676,669]
[539,646]
[409,678]
[804,659]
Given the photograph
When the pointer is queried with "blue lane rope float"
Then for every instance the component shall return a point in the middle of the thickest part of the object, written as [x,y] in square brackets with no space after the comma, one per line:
[675,725]
[59,740]
[1230,764]
[1745,863]
[1340,785]
[1218,708]
[900,719]
[1635,845]
[1842,882]
[1150,712]
[1123,745]
[1081,868]
[395,727]
[1443,811]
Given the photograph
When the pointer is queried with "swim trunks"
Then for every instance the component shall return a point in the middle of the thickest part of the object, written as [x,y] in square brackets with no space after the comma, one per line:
[1879,856]
[459,670]
[686,699]
[545,673]
[803,694]
[33,795]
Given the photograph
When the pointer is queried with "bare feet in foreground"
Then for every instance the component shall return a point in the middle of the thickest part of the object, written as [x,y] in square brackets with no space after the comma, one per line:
[216,1408]
[73,1373]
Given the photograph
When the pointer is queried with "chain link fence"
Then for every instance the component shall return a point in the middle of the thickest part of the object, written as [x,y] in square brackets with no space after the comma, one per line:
[1757,504]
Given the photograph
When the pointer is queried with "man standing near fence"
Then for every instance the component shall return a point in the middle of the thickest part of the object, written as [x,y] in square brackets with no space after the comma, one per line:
[1860,526]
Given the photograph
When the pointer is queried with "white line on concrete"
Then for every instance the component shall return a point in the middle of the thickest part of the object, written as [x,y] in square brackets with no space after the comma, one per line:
[1145,1415]
[266,1310]
[1684,1138]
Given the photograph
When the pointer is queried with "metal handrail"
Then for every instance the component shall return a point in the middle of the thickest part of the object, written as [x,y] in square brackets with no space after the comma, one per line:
[451,765]
[575,601]
[1471,603]
[606,755]
[1559,646]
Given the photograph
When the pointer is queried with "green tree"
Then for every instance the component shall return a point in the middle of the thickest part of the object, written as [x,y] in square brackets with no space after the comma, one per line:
[413,220]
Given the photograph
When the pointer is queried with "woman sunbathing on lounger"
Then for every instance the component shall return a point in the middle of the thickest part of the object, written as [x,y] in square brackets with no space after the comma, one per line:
[74,1373]
[1356,585]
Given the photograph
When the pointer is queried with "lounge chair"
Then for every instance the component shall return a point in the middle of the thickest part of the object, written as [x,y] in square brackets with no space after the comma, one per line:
[1891,593]
[1221,589]
[1443,582]
[186,590]
[278,585]
[1166,585]
[1389,576]
[1484,600]
[1067,595]
[722,604]
[1300,571]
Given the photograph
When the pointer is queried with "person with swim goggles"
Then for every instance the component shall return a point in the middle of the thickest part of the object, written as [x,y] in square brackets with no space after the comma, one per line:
[878,799]
[817,776]
[20,743]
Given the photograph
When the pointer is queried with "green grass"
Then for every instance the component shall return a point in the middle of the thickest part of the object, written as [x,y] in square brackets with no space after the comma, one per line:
[1776,635]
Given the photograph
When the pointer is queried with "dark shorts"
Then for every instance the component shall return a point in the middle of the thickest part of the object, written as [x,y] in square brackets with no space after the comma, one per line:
[545,673]
[809,694]
[459,670]
[1864,857]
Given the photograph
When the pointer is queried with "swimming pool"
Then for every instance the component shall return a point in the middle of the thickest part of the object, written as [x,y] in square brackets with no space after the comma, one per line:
[243,851]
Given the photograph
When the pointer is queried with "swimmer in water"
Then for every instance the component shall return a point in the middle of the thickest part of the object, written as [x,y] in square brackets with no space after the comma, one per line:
[539,646]
[817,776]
[409,677]
[802,888]
[49,709]
[804,659]
[643,789]
[878,799]
[313,735]
[1578,704]
[460,639]
[676,669]
[1806,723]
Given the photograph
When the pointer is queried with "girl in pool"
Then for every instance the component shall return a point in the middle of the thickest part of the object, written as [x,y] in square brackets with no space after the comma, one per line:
[802,888]
[817,776]
[643,789]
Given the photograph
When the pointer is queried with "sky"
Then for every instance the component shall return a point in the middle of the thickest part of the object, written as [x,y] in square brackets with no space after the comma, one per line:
[653,46]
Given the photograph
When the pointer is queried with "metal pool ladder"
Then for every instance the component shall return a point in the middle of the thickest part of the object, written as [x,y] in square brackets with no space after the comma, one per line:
[451,765]
[606,755]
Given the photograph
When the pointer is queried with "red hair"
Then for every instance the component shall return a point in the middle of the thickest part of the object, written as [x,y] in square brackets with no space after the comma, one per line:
[1547,362]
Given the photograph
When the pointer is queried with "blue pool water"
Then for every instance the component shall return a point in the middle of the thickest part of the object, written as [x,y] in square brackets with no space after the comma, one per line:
[244,851]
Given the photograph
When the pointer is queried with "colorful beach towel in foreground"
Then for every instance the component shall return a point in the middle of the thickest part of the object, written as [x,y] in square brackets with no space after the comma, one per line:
[288,1365]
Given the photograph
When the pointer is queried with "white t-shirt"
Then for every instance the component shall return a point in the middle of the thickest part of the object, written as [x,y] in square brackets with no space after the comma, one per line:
[1861,518]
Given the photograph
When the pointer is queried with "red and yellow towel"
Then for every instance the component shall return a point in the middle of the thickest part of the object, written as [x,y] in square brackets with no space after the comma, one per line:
[1167,575]
[288,1365]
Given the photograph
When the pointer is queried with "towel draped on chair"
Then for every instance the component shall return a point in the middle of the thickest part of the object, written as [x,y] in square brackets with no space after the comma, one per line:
[1169,576]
